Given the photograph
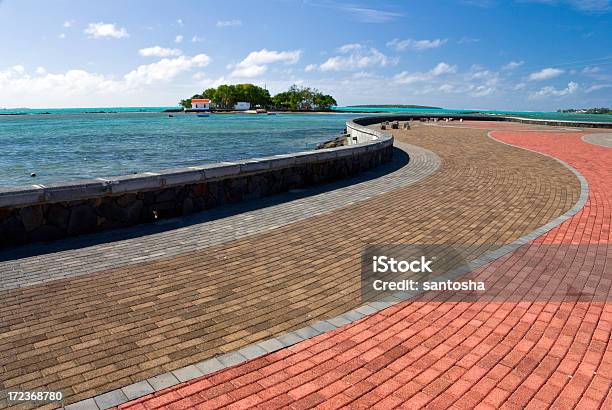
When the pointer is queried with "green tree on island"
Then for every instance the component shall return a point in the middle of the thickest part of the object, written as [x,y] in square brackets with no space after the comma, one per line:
[294,99]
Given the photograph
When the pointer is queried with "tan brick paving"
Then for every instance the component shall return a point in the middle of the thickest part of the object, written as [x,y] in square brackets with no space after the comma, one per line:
[539,337]
[93,333]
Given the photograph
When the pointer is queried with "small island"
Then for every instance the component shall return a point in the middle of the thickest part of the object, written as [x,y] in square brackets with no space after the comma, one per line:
[601,110]
[394,106]
[242,97]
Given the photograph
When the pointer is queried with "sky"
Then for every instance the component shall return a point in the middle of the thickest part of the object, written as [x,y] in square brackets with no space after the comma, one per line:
[481,54]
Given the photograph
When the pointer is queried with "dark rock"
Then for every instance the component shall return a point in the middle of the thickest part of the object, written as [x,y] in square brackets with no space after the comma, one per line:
[133,212]
[199,189]
[125,200]
[13,231]
[46,233]
[188,206]
[336,142]
[165,195]
[111,211]
[57,215]
[149,198]
[164,209]
[83,219]
[236,188]
[5,213]
[31,217]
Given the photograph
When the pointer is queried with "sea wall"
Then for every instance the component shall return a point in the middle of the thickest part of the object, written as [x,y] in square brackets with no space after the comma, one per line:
[47,212]
[374,119]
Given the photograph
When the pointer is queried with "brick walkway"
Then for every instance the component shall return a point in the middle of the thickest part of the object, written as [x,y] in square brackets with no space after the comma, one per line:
[106,329]
[540,337]
[168,238]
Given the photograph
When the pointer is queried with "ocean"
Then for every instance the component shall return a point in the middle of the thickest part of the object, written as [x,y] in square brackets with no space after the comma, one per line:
[524,114]
[80,143]
[70,145]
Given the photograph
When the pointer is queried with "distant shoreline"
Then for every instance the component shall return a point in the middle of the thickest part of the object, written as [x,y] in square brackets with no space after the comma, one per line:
[180,112]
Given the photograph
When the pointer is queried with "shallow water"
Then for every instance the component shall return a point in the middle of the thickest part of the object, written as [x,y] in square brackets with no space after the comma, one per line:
[60,147]
[541,115]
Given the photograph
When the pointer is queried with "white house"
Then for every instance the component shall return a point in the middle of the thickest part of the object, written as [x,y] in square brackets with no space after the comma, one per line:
[200,104]
[242,105]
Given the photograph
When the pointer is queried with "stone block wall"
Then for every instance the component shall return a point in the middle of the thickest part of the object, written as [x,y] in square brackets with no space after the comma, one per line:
[44,213]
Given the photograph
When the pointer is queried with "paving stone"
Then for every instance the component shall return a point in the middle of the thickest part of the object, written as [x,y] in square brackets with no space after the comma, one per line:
[498,353]
[163,381]
[187,373]
[231,359]
[210,365]
[323,326]
[175,301]
[308,332]
[289,339]
[252,351]
[136,390]
[271,345]
[110,399]
[87,404]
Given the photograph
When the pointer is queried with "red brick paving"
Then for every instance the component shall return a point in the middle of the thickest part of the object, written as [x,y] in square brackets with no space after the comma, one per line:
[91,334]
[534,347]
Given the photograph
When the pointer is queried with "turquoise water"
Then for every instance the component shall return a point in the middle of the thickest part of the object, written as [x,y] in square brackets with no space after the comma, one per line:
[65,146]
[14,111]
[524,114]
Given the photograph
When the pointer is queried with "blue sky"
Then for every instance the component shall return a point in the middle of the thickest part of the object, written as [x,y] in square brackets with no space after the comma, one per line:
[521,55]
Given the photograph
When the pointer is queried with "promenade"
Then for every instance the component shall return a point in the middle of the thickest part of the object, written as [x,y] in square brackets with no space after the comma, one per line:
[260,304]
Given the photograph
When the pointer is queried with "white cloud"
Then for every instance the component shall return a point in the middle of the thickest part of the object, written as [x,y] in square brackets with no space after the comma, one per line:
[582,5]
[598,87]
[200,75]
[101,30]
[256,63]
[443,68]
[310,68]
[26,90]
[178,39]
[409,78]
[165,69]
[19,69]
[197,39]
[229,23]
[418,45]
[180,22]
[549,91]
[447,88]
[78,87]
[367,15]
[67,24]
[467,40]
[482,91]
[545,74]
[355,56]
[363,74]
[62,36]
[512,65]
[157,51]
[591,70]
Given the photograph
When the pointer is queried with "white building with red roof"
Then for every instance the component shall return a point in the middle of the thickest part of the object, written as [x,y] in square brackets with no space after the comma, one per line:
[200,104]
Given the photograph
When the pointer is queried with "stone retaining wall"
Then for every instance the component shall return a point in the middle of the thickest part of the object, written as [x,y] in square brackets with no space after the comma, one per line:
[480,117]
[47,212]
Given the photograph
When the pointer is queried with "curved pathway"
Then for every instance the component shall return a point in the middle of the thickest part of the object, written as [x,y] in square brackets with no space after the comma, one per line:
[538,337]
[213,227]
[604,139]
[100,331]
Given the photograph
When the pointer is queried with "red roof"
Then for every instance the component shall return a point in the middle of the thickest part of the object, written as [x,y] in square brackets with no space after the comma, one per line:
[200,100]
